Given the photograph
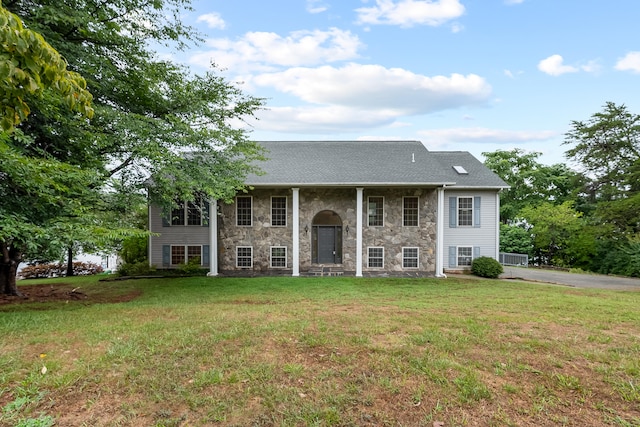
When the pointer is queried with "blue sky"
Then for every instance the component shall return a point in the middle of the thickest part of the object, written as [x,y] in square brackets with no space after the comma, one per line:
[470,75]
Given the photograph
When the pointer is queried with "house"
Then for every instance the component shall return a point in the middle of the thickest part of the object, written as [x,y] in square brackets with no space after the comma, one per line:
[342,207]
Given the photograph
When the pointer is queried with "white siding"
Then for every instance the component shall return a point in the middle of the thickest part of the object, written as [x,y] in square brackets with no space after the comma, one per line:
[484,236]
[173,235]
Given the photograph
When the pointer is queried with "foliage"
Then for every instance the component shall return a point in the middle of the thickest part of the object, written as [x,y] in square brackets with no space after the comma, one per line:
[28,66]
[554,230]
[41,271]
[152,118]
[140,268]
[191,268]
[607,147]
[516,239]
[619,258]
[134,249]
[486,267]
[531,182]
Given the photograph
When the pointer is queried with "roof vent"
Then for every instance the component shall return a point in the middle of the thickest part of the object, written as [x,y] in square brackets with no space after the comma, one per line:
[460,170]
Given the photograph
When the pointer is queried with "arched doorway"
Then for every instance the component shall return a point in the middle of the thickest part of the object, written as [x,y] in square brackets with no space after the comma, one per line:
[326,238]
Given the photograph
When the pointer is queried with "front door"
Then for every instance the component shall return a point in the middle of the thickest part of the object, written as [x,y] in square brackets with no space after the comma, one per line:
[327,250]
[326,246]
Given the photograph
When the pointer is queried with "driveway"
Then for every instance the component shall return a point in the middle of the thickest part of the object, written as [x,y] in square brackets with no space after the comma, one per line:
[596,281]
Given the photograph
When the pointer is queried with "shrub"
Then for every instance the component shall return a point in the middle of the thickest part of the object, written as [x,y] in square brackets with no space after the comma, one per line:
[135,269]
[486,267]
[42,271]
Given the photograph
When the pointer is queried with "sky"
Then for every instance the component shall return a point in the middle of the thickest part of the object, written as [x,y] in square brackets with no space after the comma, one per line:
[461,75]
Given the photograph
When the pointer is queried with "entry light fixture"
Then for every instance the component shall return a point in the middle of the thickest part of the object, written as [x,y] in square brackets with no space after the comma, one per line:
[306,229]
[347,229]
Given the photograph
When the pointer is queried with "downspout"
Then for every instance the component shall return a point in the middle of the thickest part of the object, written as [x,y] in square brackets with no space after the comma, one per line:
[440,235]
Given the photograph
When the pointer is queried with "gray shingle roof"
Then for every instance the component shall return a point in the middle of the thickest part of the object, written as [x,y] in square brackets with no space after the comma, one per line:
[366,163]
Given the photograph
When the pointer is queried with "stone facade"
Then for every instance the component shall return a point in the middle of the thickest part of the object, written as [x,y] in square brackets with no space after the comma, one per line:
[261,236]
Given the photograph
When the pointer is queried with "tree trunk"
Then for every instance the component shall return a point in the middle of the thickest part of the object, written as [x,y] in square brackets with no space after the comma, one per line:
[70,261]
[9,262]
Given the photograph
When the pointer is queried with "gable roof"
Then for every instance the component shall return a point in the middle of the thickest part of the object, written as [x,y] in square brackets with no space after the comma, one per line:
[366,163]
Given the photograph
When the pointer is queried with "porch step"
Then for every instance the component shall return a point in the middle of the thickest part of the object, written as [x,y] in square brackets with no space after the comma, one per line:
[325,271]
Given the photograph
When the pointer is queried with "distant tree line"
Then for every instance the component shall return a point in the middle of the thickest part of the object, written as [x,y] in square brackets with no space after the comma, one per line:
[587,218]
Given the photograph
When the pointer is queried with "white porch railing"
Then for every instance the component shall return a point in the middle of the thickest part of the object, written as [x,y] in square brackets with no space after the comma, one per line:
[519,260]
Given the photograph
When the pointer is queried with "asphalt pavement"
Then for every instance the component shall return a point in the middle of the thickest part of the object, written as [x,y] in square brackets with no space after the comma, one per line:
[595,281]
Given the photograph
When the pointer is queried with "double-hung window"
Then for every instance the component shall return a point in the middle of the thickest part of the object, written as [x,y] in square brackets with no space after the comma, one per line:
[410,257]
[244,214]
[410,211]
[244,256]
[465,211]
[181,254]
[376,257]
[465,256]
[187,213]
[278,257]
[376,211]
[278,211]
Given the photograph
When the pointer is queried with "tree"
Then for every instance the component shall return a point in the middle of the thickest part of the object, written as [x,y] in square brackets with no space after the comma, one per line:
[558,234]
[156,127]
[607,147]
[531,182]
[516,239]
[28,66]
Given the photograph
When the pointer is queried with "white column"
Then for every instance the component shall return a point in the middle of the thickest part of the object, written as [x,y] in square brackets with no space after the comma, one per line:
[359,232]
[213,238]
[296,232]
[498,225]
[440,235]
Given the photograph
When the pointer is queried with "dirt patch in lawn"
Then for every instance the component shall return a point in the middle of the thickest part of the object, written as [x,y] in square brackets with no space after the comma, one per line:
[64,292]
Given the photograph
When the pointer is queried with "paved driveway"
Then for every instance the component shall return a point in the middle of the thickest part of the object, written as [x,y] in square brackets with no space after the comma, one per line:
[570,279]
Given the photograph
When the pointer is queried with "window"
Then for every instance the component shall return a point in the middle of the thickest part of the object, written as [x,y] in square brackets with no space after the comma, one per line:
[465,211]
[194,213]
[244,256]
[410,212]
[189,213]
[278,211]
[243,211]
[465,256]
[177,255]
[376,257]
[278,257]
[376,211]
[409,257]
[194,254]
[185,254]
[177,214]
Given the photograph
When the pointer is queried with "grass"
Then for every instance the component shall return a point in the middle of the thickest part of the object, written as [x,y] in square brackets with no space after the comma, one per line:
[321,352]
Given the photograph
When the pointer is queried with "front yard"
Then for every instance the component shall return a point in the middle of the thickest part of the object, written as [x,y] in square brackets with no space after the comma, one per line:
[320,351]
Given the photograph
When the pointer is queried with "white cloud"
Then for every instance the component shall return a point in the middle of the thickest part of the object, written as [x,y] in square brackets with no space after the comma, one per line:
[510,2]
[373,87]
[630,62]
[407,13]
[554,66]
[324,119]
[264,50]
[485,135]
[316,6]
[213,20]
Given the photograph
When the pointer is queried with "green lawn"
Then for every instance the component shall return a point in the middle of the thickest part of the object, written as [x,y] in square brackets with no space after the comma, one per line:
[322,351]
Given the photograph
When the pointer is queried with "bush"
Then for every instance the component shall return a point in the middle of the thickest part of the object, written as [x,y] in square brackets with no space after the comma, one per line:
[42,271]
[136,269]
[486,267]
